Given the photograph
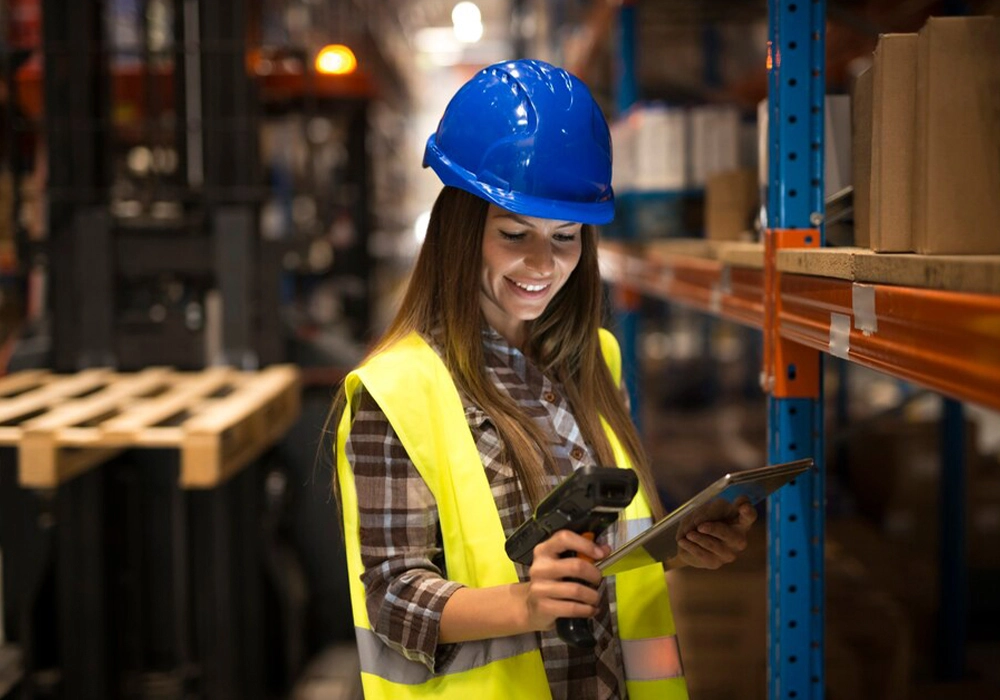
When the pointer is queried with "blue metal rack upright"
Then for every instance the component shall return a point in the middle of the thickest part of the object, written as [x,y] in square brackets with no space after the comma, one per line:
[795,209]
[626,302]
[793,373]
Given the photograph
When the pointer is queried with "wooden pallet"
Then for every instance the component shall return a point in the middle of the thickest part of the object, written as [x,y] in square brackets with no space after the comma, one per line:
[220,419]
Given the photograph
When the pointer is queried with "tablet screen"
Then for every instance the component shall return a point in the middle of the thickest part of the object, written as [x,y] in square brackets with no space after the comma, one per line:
[719,501]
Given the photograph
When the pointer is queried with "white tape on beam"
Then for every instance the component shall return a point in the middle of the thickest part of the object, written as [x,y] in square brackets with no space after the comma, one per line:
[715,300]
[840,335]
[725,281]
[722,287]
[863,303]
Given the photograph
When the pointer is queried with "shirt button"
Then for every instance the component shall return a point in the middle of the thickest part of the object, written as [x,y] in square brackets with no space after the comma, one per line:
[549,396]
[576,453]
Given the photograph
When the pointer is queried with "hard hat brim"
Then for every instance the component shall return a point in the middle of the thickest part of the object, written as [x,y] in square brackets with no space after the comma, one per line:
[451,173]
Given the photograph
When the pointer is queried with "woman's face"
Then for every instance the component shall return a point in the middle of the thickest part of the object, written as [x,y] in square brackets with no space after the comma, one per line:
[526,260]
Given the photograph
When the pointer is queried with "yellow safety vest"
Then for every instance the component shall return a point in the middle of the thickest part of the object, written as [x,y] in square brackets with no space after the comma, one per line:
[414,389]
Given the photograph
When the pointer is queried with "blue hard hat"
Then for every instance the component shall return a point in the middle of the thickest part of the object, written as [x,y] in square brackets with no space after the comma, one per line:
[528,137]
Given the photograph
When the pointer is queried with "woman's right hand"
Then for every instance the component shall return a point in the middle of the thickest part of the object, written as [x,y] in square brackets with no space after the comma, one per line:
[549,595]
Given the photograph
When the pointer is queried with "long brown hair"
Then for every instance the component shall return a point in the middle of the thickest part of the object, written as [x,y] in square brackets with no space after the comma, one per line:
[443,295]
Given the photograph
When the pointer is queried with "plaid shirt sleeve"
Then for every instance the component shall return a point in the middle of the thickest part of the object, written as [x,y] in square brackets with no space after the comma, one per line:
[401,550]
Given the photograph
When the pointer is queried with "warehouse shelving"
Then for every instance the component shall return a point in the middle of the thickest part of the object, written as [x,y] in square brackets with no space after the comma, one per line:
[931,320]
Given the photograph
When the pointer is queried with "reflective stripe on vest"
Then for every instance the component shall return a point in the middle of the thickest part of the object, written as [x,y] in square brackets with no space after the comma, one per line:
[411,384]
[651,659]
[379,659]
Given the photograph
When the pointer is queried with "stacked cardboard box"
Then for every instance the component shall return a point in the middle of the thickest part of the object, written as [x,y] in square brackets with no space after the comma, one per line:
[892,122]
[731,203]
[935,140]
[714,142]
[956,172]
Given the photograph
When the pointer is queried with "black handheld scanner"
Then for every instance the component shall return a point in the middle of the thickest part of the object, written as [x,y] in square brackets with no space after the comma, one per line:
[586,502]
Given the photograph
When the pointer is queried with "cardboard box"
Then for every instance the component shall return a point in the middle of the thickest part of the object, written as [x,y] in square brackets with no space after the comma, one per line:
[894,76]
[957,135]
[861,156]
[731,202]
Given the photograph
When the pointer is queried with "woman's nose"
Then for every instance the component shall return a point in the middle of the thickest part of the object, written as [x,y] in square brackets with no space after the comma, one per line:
[540,257]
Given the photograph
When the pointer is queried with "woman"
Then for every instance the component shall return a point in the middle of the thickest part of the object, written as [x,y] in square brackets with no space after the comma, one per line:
[492,384]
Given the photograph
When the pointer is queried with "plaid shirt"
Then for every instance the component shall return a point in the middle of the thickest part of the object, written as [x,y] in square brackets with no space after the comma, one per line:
[405,575]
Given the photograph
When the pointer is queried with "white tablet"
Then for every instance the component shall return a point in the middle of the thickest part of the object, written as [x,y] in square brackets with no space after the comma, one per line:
[719,501]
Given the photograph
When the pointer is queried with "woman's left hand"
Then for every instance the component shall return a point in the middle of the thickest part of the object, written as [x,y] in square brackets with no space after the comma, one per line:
[716,542]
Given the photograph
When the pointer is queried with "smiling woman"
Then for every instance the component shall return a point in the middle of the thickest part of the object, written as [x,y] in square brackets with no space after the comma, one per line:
[493,383]
[526,261]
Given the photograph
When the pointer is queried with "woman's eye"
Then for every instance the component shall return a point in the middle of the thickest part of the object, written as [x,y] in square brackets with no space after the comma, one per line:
[565,237]
[507,236]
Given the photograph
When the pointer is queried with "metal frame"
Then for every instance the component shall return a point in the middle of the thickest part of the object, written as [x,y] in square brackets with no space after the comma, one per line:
[218,111]
[229,122]
[953,580]
[77,95]
[796,515]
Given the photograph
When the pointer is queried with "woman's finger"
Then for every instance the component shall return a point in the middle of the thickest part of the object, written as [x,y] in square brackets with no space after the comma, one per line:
[715,546]
[567,567]
[568,541]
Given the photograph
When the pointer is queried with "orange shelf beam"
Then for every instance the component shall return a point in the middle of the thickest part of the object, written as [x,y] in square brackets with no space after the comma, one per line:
[744,303]
[706,285]
[946,341]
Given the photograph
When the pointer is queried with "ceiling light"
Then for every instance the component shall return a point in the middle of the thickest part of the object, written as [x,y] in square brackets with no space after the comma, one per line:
[336,59]
[467,22]
[466,13]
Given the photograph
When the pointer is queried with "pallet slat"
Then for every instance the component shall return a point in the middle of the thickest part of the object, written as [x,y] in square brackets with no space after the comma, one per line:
[16,383]
[168,404]
[59,436]
[50,392]
[109,399]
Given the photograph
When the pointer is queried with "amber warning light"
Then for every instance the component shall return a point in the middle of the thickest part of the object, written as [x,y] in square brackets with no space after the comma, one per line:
[336,59]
